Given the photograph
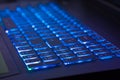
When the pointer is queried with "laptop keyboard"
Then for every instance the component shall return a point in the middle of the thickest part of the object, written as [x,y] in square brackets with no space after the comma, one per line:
[46,36]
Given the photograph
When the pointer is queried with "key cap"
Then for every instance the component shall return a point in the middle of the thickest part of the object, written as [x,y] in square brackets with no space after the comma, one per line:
[43,54]
[30,61]
[16,36]
[56,28]
[61,37]
[49,58]
[76,45]
[43,50]
[105,56]
[9,23]
[35,65]
[29,32]
[96,47]
[20,43]
[98,37]
[75,50]
[70,40]
[60,48]
[98,51]
[93,43]
[32,52]
[83,53]
[25,48]
[53,63]
[29,56]
[18,40]
[72,28]
[36,41]
[66,56]
[85,39]
[114,49]
[39,46]
[13,31]
[70,61]
[32,36]
[53,42]
[65,51]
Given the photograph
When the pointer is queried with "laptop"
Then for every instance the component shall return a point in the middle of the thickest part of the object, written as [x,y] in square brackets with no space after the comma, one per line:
[41,40]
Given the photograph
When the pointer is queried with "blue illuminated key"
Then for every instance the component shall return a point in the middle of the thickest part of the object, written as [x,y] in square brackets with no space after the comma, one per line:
[31,52]
[36,41]
[69,41]
[53,42]
[69,61]
[105,56]
[85,39]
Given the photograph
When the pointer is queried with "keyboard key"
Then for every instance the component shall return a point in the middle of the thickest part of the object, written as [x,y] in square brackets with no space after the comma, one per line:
[8,22]
[20,43]
[114,49]
[85,39]
[47,53]
[34,65]
[83,53]
[100,51]
[36,41]
[29,56]
[24,48]
[70,40]
[31,36]
[86,58]
[32,62]
[32,52]
[76,45]
[43,50]
[53,42]
[105,56]
[66,55]
[69,61]
[39,46]
[75,50]
[65,51]
[49,58]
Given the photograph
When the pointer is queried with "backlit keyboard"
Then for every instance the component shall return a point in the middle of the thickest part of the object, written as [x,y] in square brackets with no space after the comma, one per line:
[46,36]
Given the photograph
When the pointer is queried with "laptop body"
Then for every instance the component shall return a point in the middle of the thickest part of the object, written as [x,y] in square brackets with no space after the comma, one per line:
[13,71]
